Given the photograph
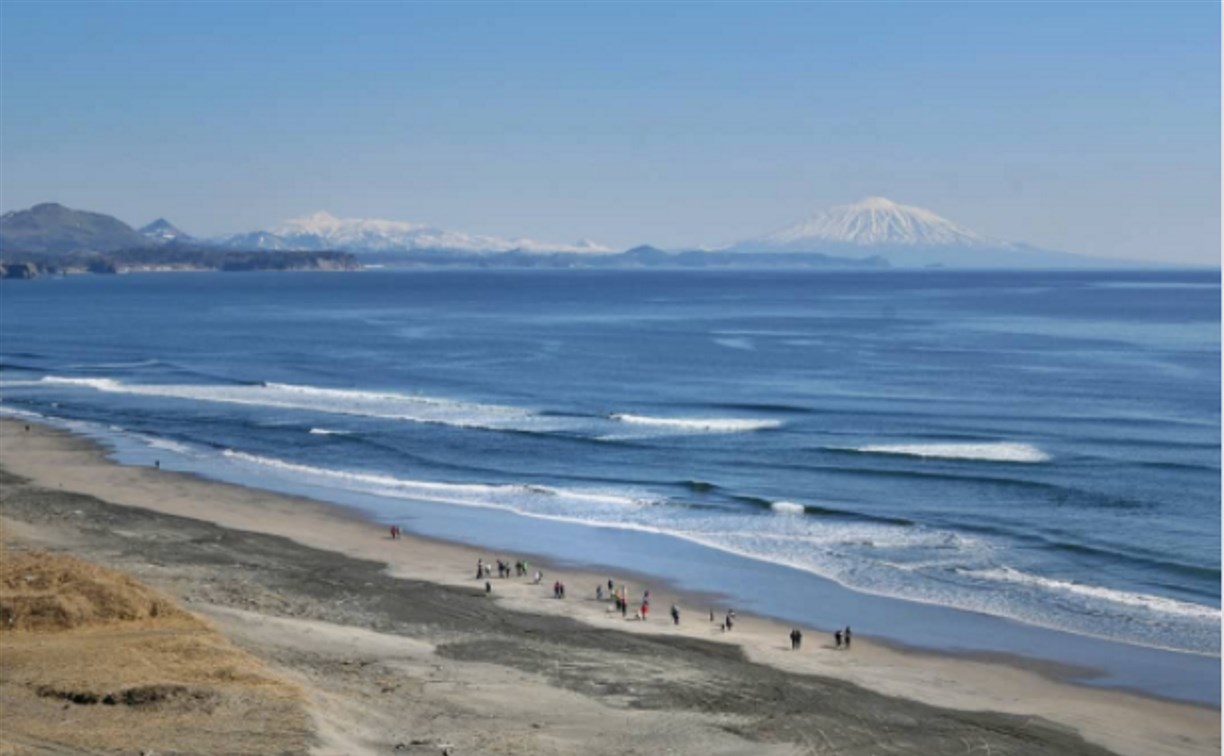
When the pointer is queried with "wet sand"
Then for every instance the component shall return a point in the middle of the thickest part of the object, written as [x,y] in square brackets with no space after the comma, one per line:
[397,642]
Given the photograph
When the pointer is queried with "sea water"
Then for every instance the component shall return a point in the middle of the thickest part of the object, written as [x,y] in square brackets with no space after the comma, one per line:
[1038,449]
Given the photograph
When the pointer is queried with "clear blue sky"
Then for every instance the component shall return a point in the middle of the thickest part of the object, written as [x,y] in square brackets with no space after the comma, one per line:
[1089,127]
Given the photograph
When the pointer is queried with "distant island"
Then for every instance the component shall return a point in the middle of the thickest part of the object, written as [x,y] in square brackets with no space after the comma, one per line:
[874,233]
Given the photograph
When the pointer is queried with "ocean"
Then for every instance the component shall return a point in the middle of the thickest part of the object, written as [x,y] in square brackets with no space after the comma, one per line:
[1014,462]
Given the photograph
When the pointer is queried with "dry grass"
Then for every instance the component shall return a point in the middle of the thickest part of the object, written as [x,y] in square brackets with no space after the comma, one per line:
[52,592]
[92,659]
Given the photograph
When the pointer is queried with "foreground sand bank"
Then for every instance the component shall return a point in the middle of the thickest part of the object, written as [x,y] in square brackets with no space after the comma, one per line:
[673,674]
[93,661]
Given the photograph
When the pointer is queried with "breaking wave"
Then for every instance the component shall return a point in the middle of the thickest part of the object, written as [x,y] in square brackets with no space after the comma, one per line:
[1001,451]
[384,405]
[518,497]
[1157,604]
[698,424]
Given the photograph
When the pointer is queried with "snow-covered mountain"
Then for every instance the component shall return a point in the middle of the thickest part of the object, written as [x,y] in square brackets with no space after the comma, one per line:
[163,230]
[323,230]
[873,222]
[906,236]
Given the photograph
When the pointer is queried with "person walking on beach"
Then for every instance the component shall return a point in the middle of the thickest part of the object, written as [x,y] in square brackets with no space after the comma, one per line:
[837,639]
[729,622]
[599,593]
[488,588]
[675,614]
[538,577]
[645,610]
[479,568]
[794,639]
[847,636]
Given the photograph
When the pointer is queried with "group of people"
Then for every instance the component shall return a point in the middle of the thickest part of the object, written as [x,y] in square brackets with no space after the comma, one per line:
[620,598]
[485,570]
[728,621]
[841,638]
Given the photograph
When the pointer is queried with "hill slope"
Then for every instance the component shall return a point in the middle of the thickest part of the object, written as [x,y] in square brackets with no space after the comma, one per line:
[52,229]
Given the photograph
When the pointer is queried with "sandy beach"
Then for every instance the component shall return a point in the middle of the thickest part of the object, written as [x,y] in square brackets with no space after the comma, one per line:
[396,645]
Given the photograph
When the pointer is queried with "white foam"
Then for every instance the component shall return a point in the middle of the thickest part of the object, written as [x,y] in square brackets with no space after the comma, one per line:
[329,432]
[698,424]
[522,498]
[165,444]
[1001,451]
[787,507]
[385,405]
[736,342]
[101,384]
[24,414]
[1159,604]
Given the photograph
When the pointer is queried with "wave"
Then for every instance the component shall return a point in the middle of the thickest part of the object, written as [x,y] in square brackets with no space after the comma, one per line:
[1151,559]
[824,511]
[156,442]
[512,496]
[1158,604]
[21,413]
[1000,451]
[329,432]
[736,342]
[698,424]
[117,365]
[21,367]
[787,507]
[1187,466]
[384,405]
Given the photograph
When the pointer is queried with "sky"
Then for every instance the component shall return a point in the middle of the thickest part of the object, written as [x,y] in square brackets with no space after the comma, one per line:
[1092,128]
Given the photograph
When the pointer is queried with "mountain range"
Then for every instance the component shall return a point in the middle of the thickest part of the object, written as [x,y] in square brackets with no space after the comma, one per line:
[874,232]
[323,230]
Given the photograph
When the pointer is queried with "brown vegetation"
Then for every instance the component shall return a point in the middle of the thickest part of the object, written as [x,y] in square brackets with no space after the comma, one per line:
[92,659]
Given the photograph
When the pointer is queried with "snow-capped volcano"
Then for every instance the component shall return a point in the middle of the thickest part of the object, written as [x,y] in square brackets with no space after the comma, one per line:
[873,222]
[907,237]
[323,230]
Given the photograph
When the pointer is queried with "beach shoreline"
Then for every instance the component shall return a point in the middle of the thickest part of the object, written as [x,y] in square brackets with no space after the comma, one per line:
[1123,721]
